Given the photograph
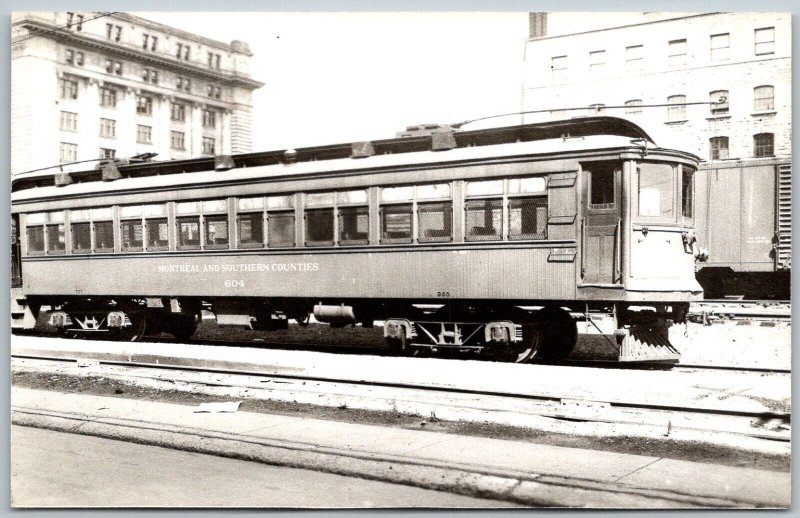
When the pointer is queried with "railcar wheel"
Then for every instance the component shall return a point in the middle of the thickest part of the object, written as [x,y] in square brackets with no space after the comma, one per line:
[560,333]
[182,327]
[397,345]
[521,352]
[135,331]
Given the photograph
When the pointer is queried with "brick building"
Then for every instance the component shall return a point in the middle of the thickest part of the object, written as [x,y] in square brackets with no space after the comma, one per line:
[633,59]
[88,85]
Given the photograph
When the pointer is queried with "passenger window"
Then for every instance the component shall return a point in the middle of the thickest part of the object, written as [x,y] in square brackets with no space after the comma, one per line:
[132,228]
[250,222]
[156,227]
[527,217]
[34,232]
[280,221]
[353,217]
[215,223]
[435,222]
[396,221]
[103,228]
[687,192]
[188,232]
[319,221]
[484,215]
[80,228]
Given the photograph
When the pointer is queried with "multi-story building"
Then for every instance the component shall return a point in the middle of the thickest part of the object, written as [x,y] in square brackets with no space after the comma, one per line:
[88,85]
[740,62]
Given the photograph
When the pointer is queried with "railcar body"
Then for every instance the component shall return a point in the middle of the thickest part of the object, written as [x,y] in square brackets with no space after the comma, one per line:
[472,240]
[744,214]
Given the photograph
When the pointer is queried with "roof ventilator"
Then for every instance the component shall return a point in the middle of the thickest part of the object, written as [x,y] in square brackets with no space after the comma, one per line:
[289,156]
[110,171]
[224,163]
[442,141]
[362,149]
[62,179]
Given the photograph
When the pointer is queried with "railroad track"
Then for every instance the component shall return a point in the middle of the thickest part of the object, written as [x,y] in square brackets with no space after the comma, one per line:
[770,310]
[428,398]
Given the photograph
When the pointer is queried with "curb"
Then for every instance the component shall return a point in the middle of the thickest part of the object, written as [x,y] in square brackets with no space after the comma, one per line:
[530,489]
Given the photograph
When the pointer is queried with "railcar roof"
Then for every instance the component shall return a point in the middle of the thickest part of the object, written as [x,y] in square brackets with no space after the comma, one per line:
[589,133]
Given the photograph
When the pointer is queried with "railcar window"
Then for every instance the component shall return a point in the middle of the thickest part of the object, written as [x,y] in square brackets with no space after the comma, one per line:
[132,228]
[353,217]
[484,219]
[657,190]
[81,237]
[527,217]
[103,236]
[250,222]
[35,240]
[56,242]
[216,231]
[156,227]
[687,192]
[319,227]
[527,185]
[188,232]
[601,185]
[280,221]
[396,223]
[435,222]
[485,188]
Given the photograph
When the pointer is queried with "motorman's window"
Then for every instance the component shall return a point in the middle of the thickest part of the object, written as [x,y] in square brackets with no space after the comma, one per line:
[657,190]
[280,221]
[687,192]
[45,233]
[483,210]
[397,214]
[250,222]
[156,227]
[601,184]
[132,228]
[353,217]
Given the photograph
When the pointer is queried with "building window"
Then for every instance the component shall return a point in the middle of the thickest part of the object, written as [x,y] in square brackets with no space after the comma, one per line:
[177,140]
[150,76]
[763,145]
[720,47]
[558,65]
[209,119]
[74,57]
[633,107]
[764,98]
[178,113]
[144,105]
[677,53]
[765,41]
[149,42]
[208,146]
[214,60]
[68,88]
[597,61]
[69,121]
[634,57]
[67,152]
[215,92]
[107,153]
[113,32]
[719,100]
[183,83]
[114,67]
[677,109]
[108,128]
[75,21]
[596,109]
[108,97]
[182,51]
[144,134]
[719,148]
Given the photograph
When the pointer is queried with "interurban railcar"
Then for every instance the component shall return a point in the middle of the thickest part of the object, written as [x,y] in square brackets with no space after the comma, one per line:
[487,240]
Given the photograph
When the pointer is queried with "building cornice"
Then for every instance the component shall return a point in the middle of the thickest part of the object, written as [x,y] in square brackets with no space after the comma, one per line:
[130,52]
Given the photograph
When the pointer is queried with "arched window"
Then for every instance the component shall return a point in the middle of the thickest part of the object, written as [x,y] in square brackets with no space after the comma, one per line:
[719,148]
[677,109]
[633,107]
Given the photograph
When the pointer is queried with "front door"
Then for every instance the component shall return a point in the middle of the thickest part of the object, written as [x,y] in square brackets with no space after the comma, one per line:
[602,223]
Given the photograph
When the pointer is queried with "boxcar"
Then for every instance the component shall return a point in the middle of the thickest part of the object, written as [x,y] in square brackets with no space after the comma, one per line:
[744,215]
[485,241]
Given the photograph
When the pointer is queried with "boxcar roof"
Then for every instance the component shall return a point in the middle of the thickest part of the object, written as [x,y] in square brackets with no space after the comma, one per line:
[586,134]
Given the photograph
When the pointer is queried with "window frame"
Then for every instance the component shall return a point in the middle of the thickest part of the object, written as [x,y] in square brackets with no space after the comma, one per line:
[757,145]
[756,99]
[714,146]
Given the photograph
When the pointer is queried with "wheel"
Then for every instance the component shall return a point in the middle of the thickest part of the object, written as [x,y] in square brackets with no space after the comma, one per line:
[520,352]
[560,333]
[183,326]
[135,331]
[303,319]
[397,345]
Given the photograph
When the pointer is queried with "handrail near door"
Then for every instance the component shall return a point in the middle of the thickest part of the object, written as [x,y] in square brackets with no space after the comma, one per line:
[618,252]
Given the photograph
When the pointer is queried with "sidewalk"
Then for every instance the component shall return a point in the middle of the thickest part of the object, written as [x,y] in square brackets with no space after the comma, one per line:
[530,474]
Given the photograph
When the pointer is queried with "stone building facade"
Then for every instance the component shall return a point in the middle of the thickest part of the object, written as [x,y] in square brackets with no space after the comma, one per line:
[88,85]
[669,59]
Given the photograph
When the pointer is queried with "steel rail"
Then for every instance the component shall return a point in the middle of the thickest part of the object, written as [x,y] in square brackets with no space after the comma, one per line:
[784,416]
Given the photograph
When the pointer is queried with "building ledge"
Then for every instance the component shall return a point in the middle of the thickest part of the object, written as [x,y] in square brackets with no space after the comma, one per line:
[764,113]
[718,117]
[676,123]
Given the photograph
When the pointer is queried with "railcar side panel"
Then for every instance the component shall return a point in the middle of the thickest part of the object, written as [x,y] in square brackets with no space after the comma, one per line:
[524,273]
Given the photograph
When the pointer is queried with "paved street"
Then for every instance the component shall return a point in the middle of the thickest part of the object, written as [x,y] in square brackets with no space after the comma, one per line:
[66,470]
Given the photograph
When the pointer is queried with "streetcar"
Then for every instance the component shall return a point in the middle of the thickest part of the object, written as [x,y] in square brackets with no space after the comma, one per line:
[485,242]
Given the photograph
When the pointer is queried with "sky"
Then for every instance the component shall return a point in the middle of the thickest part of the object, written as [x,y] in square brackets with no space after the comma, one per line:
[341,77]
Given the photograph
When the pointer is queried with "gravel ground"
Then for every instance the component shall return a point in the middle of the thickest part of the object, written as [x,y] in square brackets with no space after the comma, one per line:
[666,448]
